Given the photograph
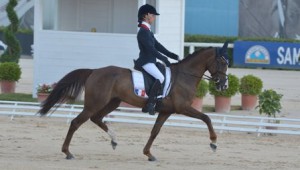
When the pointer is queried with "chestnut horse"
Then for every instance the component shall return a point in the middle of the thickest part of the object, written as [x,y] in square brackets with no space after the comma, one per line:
[106,87]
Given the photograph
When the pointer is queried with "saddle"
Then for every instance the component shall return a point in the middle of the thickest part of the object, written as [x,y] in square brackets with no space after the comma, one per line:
[148,79]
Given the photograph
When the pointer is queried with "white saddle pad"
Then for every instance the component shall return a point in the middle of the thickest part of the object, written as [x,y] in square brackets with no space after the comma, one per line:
[139,85]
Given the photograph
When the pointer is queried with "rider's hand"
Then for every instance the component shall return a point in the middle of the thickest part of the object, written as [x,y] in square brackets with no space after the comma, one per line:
[167,62]
[174,56]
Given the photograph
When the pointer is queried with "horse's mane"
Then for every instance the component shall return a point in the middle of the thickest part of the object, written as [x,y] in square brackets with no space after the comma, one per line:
[195,53]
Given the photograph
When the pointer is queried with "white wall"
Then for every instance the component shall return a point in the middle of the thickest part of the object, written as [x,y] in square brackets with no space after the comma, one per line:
[62,52]
[171,25]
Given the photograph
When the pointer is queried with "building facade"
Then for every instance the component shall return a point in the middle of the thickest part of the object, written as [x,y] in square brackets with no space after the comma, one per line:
[97,33]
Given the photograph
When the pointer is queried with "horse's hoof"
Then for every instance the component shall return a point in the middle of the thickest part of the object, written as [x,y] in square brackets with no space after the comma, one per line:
[151,158]
[213,146]
[113,144]
[69,157]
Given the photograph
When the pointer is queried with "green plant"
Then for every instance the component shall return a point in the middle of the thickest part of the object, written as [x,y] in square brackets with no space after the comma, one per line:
[269,102]
[233,87]
[10,71]
[202,89]
[250,85]
[12,53]
[45,88]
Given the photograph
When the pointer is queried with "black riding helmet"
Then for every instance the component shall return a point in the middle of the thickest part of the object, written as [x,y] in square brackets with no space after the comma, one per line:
[145,9]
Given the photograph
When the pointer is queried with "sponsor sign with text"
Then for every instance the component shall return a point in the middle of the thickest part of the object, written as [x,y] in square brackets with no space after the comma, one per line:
[266,54]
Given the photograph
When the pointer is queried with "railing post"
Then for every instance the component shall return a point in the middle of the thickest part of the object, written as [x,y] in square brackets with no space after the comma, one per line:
[14,110]
[260,127]
[70,114]
[191,49]
[223,124]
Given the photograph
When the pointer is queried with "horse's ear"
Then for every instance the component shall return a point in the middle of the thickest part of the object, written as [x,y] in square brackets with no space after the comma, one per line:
[224,52]
[225,46]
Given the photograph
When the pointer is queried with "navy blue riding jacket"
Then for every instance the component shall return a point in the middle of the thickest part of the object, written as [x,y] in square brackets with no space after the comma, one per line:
[151,49]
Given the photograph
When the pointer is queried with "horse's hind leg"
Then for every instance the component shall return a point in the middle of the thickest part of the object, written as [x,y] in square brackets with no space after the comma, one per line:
[75,124]
[97,119]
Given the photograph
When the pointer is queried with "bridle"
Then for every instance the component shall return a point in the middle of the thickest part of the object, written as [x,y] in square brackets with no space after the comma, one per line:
[215,77]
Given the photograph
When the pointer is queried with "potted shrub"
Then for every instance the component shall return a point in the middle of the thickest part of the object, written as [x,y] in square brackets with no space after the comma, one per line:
[223,98]
[43,91]
[10,72]
[269,104]
[201,91]
[250,87]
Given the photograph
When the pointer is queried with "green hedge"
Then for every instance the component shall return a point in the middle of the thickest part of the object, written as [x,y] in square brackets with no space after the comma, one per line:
[24,31]
[222,39]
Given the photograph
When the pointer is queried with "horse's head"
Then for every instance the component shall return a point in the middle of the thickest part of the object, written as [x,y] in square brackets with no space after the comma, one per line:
[218,69]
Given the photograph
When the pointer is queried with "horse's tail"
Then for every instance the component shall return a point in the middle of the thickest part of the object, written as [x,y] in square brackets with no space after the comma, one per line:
[68,88]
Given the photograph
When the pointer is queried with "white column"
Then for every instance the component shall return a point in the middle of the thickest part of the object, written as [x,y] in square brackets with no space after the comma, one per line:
[38,27]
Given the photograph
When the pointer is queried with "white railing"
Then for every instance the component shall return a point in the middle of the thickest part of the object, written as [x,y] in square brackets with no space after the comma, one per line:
[192,45]
[254,124]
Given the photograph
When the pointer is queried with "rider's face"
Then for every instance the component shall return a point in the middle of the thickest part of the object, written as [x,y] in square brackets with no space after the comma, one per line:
[150,18]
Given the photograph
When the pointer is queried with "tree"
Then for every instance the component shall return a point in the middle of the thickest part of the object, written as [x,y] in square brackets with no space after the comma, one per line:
[12,52]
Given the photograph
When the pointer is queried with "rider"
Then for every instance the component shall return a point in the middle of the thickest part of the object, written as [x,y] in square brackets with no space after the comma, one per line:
[150,50]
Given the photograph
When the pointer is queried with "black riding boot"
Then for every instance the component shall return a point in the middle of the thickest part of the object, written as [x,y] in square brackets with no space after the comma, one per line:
[154,92]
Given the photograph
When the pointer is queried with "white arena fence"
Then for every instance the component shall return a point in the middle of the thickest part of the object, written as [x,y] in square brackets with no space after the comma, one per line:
[221,122]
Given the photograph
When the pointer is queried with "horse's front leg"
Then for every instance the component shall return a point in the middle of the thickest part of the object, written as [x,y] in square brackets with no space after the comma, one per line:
[162,117]
[191,112]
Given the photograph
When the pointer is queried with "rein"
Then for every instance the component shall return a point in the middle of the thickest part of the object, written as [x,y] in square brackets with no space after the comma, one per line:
[198,76]
[206,77]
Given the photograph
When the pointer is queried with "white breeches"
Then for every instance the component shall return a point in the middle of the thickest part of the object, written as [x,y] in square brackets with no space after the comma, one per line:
[153,71]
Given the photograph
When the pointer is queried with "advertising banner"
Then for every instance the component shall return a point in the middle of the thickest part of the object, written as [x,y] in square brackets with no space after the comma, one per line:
[266,54]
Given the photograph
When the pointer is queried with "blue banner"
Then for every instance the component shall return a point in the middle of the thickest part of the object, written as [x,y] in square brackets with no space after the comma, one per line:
[266,54]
